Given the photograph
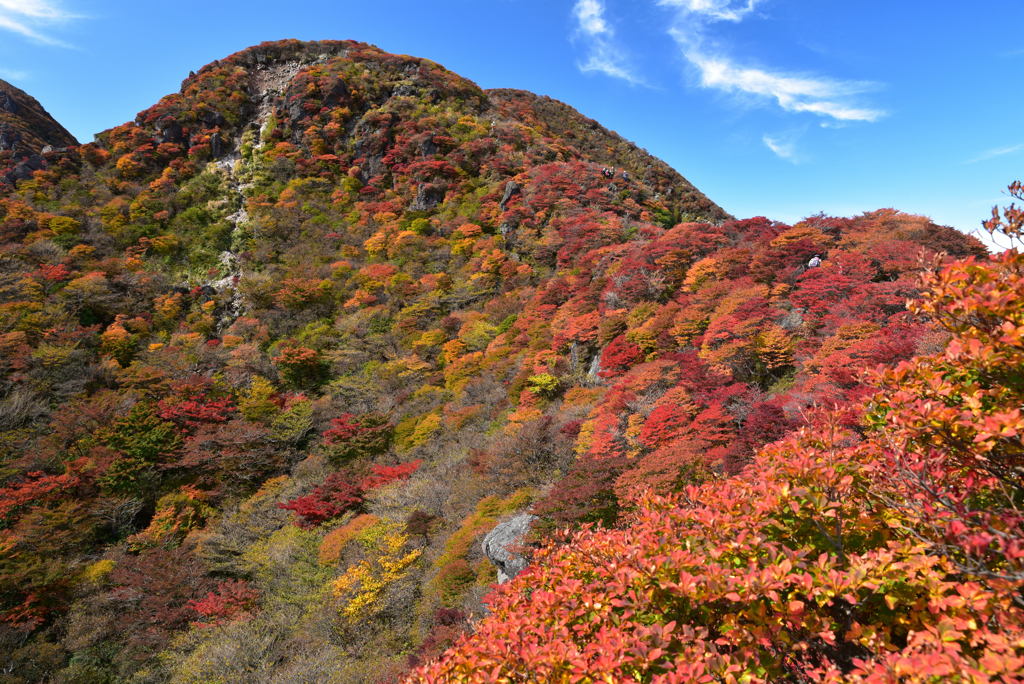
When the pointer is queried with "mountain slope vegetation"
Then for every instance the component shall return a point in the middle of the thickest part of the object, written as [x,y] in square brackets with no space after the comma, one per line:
[25,127]
[279,352]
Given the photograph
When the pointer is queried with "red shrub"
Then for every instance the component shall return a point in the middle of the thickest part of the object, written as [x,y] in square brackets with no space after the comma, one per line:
[383,475]
[233,600]
[336,496]
[618,357]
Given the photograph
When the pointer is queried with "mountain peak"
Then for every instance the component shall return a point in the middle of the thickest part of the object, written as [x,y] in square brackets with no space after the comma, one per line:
[356,101]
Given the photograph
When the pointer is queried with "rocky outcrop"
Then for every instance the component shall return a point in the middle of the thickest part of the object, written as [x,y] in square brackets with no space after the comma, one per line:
[211,117]
[23,171]
[511,189]
[168,130]
[9,137]
[428,196]
[504,537]
[216,146]
[8,103]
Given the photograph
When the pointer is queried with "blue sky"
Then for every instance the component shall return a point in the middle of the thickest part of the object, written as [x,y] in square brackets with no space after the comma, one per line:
[781,108]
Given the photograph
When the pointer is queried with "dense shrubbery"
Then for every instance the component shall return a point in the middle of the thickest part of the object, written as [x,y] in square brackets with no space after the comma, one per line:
[890,555]
[256,413]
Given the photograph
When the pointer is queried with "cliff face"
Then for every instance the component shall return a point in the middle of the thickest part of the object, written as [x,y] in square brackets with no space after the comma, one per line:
[277,354]
[25,127]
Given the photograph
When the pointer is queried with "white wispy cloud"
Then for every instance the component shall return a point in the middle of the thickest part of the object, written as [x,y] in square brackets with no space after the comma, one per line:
[821,96]
[826,97]
[30,18]
[997,152]
[782,149]
[604,54]
[715,10]
[12,75]
[590,15]
[784,146]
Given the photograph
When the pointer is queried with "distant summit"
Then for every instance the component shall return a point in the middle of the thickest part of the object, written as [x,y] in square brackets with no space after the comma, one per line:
[353,101]
[25,126]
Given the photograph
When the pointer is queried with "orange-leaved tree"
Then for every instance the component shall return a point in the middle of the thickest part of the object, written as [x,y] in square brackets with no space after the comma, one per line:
[954,419]
[828,558]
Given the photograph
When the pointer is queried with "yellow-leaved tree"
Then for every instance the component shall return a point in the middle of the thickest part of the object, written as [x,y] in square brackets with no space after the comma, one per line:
[362,587]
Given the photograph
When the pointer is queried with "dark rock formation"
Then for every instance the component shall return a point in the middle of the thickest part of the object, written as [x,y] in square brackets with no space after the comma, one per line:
[9,137]
[213,118]
[216,146]
[168,130]
[427,197]
[8,103]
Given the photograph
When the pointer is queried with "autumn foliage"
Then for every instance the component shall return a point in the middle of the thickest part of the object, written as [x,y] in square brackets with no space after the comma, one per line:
[277,354]
[834,556]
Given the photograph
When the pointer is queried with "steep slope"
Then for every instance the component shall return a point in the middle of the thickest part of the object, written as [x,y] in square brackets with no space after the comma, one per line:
[595,143]
[25,127]
[276,354]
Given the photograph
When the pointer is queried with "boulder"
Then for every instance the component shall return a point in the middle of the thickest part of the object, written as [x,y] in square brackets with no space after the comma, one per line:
[790,321]
[498,541]
[211,117]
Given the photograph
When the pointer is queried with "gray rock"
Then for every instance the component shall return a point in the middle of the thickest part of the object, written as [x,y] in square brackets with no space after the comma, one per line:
[375,165]
[428,148]
[790,321]
[47,149]
[7,102]
[35,162]
[511,188]
[404,90]
[498,541]
[9,138]
[427,197]
[216,146]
